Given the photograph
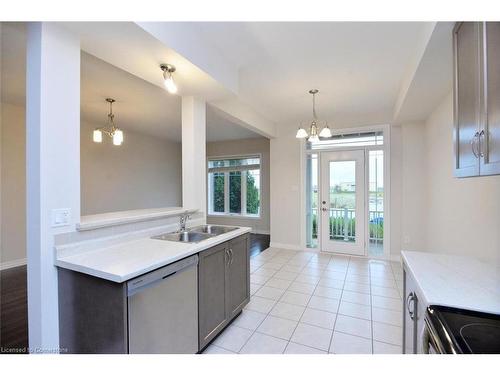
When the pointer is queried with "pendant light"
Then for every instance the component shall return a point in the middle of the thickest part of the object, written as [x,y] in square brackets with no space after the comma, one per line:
[313,135]
[110,129]
[168,78]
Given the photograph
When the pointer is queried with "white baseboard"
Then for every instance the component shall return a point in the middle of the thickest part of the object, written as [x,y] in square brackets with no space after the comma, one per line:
[286,246]
[258,231]
[395,258]
[12,264]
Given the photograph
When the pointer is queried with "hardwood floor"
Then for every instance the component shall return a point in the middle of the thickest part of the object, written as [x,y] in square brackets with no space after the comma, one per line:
[13,310]
[258,243]
[14,301]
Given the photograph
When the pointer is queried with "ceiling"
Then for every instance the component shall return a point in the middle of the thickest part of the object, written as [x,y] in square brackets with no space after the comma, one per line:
[140,106]
[367,72]
[358,67]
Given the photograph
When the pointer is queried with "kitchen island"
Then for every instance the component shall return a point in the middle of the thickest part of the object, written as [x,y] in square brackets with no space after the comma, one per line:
[152,296]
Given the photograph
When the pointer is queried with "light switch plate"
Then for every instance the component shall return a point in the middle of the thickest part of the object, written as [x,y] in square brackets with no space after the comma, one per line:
[61,217]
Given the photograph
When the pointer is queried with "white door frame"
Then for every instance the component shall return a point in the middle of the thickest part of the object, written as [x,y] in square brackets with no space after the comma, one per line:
[386,129]
[358,247]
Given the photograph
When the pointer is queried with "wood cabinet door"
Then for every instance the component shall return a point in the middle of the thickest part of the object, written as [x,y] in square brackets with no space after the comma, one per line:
[466,98]
[212,285]
[490,134]
[238,286]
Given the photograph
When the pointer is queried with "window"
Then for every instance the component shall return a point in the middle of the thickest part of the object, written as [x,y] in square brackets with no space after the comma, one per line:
[234,186]
[349,140]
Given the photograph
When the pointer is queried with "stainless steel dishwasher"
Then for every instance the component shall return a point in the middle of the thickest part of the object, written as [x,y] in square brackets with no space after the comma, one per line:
[163,309]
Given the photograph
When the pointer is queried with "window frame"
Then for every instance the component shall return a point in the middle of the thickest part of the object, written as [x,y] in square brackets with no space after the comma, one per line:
[243,214]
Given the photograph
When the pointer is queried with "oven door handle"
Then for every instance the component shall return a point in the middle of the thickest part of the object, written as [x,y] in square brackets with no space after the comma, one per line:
[430,342]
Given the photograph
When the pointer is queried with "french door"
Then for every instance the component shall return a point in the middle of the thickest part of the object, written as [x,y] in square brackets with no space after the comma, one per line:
[342,202]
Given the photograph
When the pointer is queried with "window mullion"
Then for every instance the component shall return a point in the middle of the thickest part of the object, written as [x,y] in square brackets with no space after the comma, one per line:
[226,192]
[244,192]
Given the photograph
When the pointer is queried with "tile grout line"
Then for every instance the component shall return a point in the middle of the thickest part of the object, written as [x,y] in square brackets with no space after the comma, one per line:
[338,307]
[316,286]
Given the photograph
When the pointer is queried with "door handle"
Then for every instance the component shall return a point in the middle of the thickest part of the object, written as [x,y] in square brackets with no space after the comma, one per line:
[324,209]
[411,298]
[473,143]
[481,136]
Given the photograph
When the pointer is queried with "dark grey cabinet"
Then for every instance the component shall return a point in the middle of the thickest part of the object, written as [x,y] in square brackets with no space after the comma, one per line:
[212,303]
[476,98]
[238,275]
[224,286]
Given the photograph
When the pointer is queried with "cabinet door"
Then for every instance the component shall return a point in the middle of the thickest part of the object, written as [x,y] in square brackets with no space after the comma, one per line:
[212,285]
[466,97]
[410,315]
[238,287]
[490,134]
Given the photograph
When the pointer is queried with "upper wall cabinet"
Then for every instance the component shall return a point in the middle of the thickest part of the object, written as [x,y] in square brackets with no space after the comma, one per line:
[476,98]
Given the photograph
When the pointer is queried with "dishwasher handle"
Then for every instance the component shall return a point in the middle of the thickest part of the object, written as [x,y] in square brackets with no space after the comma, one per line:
[150,279]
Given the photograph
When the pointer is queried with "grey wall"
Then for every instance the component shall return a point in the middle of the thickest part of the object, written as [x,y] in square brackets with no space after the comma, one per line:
[144,172]
[13,183]
[246,147]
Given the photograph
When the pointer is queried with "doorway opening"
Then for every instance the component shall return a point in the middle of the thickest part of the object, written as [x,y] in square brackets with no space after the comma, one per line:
[345,194]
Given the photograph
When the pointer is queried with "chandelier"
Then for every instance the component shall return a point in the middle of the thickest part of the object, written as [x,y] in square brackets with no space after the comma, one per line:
[313,135]
[110,129]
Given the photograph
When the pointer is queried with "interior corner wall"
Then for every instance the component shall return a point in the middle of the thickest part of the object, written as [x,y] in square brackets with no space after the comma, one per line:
[463,214]
[13,184]
[144,172]
[285,195]
[414,203]
[246,147]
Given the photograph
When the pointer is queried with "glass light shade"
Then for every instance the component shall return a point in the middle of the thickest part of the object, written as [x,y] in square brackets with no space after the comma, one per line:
[97,136]
[301,133]
[325,132]
[170,84]
[118,137]
[313,138]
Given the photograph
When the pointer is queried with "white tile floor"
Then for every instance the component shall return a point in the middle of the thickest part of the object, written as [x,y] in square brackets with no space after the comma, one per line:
[305,302]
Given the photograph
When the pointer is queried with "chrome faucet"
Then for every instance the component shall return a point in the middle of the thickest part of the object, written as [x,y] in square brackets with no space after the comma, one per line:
[184,218]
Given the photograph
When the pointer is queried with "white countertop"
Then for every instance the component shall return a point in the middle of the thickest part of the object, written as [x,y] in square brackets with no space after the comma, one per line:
[108,219]
[455,281]
[130,259]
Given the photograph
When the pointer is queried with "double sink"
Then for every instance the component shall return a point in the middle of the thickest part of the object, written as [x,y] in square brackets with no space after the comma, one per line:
[195,234]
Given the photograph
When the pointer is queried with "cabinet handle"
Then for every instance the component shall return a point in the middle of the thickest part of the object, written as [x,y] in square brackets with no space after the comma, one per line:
[473,143]
[226,257]
[231,257]
[411,298]
[481,135]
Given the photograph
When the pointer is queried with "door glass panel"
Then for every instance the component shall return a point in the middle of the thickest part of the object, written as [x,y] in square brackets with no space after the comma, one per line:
[342,211]
[235,192]
[376,203]
[312,197]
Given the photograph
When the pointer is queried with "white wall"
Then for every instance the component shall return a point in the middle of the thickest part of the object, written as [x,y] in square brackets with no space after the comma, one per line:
[144,172]
[285,194]
[13,184]
[414,203]
[463,215]
[246,147]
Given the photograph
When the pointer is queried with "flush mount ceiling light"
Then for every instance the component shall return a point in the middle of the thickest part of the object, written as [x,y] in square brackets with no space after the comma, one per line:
[168,79]
[110,129]
[313,135]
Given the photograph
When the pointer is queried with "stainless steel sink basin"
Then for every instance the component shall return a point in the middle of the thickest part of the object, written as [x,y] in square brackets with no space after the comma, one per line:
[212,229]
[186,236]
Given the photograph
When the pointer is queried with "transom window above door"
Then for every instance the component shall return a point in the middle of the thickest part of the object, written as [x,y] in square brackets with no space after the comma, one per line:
[234,186]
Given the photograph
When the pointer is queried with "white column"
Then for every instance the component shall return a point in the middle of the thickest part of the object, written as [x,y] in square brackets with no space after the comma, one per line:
[53,166]
[194,172]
